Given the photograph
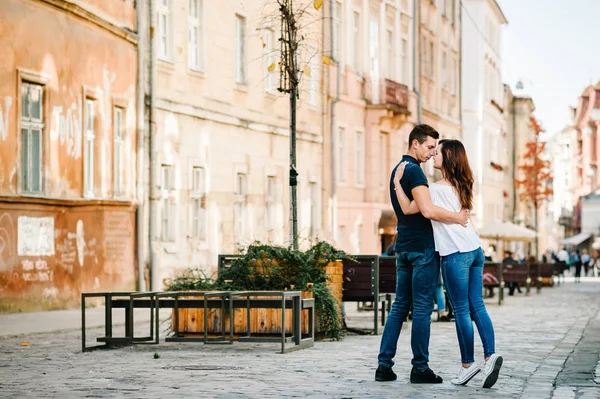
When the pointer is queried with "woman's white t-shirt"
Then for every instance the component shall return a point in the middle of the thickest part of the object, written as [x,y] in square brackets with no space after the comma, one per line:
[451,237]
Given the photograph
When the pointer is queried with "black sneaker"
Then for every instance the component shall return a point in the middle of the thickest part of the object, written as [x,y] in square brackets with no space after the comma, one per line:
[385,374]
[424,377]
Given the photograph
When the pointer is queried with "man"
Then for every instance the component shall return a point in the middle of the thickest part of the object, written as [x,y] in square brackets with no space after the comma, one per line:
[509,260]
[417,263]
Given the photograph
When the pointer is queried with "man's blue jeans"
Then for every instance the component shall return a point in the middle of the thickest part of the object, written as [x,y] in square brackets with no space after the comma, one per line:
[463,276]
[416,279]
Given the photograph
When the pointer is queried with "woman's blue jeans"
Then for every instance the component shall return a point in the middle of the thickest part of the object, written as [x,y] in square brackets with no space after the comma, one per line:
[463,276]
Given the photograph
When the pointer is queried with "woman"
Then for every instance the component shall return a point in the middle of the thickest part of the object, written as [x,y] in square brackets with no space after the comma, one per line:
[462,259]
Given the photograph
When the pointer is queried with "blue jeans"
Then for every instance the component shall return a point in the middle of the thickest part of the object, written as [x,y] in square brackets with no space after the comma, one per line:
[463,276]
[416,279]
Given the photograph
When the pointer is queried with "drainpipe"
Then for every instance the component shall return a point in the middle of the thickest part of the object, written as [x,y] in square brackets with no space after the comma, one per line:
[415,66]
[154,280]
[460,64]
[334,216]
[140,145]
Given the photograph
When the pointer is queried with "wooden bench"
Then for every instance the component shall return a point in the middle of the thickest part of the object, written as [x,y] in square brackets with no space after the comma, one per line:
[546,273]
[518,273]
[387,283]
[492,278]
[360,283]
[223,300]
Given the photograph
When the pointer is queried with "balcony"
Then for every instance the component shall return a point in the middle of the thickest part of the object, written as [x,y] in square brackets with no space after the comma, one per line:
[387,94]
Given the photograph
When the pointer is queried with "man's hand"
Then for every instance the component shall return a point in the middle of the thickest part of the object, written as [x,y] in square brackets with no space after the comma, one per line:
[464,215]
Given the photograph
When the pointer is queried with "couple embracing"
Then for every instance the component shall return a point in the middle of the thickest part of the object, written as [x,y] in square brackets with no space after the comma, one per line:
[434,230]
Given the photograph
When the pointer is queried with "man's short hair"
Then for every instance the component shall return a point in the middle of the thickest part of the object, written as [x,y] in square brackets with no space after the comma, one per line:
[421,132]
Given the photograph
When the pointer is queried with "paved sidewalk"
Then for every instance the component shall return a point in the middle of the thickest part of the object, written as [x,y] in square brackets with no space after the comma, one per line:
[549,342]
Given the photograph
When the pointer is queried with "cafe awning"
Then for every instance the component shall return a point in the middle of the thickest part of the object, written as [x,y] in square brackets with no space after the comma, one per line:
[506,231]
[577,239]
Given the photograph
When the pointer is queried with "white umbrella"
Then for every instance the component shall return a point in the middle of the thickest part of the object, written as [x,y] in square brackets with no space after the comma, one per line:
[506,231]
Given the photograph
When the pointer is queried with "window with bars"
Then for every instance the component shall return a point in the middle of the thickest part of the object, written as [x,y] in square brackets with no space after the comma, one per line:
[118,138]
[196,34]
[32,126]
[89,147]
[198,203]
[169,204]
[240,49]
[163,25]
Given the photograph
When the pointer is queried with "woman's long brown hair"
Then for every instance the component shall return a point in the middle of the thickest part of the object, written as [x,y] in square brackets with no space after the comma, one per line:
[456,169]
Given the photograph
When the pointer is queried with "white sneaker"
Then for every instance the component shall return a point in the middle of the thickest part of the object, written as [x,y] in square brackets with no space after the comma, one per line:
[491,370]
[465,374]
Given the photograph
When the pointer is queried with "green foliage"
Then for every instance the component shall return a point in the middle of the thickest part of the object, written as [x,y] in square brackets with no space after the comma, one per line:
[266,267]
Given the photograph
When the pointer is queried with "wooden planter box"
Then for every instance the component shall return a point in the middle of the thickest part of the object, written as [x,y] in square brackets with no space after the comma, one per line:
[262,321]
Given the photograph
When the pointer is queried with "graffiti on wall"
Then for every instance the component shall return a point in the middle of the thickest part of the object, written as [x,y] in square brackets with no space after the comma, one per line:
[4,117]
[35,236]
[8,256]
[66,128]
[36,271]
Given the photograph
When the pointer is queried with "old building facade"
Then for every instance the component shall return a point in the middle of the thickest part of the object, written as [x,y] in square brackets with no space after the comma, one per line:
[67,150]
[484,123]
[219,139]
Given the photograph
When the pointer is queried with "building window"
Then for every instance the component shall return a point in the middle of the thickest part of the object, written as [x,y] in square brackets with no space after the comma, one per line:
[453,12]
[196,34]
[431,60]
[390,55]
[360,158]
[342,164]
[270,52]
[118,138]
[424,58]
[89,148]
[32,126]
[314,209]
[164,29]
[444,71]
[169,206]
[336,20]
[198,202]
[405,71]
[315,77]
[354,46]
[453,77]
[382,159]
[240,49]
[272,201]
[357,238]
[241,205]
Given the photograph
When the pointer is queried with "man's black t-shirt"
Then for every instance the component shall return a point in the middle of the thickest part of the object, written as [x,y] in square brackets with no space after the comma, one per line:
[415,233]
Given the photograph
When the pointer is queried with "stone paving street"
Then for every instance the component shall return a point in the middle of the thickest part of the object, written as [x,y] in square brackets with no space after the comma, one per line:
[550,343]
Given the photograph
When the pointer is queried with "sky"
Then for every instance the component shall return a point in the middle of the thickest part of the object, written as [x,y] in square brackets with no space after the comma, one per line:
[553,46]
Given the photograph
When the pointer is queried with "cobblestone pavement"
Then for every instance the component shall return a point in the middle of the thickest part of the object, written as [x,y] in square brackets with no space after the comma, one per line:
[550,343]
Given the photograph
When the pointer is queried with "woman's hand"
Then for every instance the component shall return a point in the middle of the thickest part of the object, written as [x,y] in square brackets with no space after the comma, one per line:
[399,173]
